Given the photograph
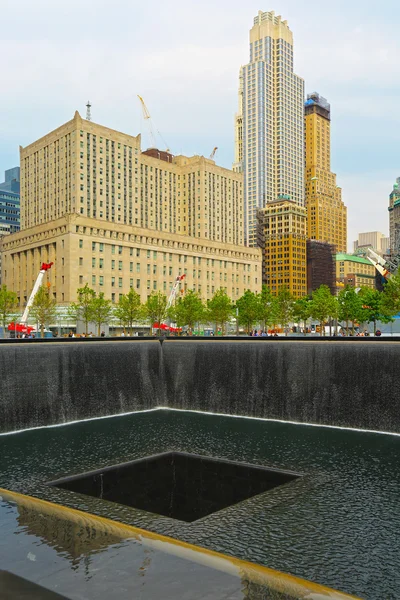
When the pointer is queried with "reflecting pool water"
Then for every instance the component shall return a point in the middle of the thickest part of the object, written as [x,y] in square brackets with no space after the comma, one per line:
[338,524]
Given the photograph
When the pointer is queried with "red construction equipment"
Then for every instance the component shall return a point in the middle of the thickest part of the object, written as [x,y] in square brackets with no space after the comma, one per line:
[22,326]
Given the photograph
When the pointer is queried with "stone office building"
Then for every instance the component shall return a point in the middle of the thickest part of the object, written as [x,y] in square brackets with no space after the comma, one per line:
[111,216]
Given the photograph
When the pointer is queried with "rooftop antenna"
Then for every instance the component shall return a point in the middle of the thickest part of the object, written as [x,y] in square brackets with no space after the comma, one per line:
[88,112]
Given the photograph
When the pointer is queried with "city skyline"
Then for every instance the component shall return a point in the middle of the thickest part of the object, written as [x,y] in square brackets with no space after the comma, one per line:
[188,77]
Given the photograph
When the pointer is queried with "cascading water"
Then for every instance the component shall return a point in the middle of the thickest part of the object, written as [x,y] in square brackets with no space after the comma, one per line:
[353,385]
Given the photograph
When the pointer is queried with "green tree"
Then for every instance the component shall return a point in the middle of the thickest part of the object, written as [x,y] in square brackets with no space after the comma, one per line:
[100,311]
[350,307]
[219,309]
[8,303]
[155,308]
[323,306]
[129,309]
[248,307]
[267,304]
[302,311]
[188,310]
[371,307]
[390,304]
[82,310]
[43,309]
[284,307]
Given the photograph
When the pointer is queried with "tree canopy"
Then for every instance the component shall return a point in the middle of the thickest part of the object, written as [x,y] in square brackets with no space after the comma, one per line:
[155,308]
[323,306]
[8,303]
[249,309]
[43,309]
[219,309]
[284,307]
[129,309]
[100,311]
[188,310]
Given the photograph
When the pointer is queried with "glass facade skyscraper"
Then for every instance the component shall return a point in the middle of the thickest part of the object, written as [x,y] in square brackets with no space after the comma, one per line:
[10,202]
[269,146]
[12,180]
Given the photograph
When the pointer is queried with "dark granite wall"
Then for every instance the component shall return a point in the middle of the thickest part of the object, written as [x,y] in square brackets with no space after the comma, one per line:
[333,383]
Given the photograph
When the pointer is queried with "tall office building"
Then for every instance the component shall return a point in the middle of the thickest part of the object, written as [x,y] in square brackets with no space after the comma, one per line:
[269,125]
[281,229]
[9,205]
[107,214]
[326,213]
[12,181]
[394,218]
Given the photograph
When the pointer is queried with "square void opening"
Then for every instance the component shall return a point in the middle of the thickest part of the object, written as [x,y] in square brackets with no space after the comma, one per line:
[182,486]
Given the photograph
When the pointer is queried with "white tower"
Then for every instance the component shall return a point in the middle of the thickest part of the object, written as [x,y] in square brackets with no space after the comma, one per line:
[270,125]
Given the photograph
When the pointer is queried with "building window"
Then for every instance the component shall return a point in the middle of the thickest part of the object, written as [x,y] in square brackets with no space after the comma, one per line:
[112,281]
[93,279]
[80,261]
[120,282]
[120,265]
[80,243]
[101,280]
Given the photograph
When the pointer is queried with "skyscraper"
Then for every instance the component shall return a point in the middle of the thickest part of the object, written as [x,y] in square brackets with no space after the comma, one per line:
[281,233]
[9,205]
[12,179]
[394,218]
[326,213]
[269,124]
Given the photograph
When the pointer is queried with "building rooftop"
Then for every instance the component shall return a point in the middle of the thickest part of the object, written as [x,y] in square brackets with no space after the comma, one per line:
[353,258]
[317,103]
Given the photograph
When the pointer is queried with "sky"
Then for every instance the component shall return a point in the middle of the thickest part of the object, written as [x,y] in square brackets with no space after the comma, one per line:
[183,58]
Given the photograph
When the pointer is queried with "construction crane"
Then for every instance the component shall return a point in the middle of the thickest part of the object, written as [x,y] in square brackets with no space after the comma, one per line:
[148,119]
[170,301]
[387,268]
[212,155]
[22,326]
[174,290]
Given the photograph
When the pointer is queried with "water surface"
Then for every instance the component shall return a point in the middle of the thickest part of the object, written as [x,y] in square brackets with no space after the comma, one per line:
[338,525]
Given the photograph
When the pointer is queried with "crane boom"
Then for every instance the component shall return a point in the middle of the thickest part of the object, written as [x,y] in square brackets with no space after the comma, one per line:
[386,268]
[174,290]
[212,155]
[39,280]
[147,117]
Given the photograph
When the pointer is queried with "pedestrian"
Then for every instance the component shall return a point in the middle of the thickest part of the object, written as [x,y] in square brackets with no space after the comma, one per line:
[378,333]
[103,334]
